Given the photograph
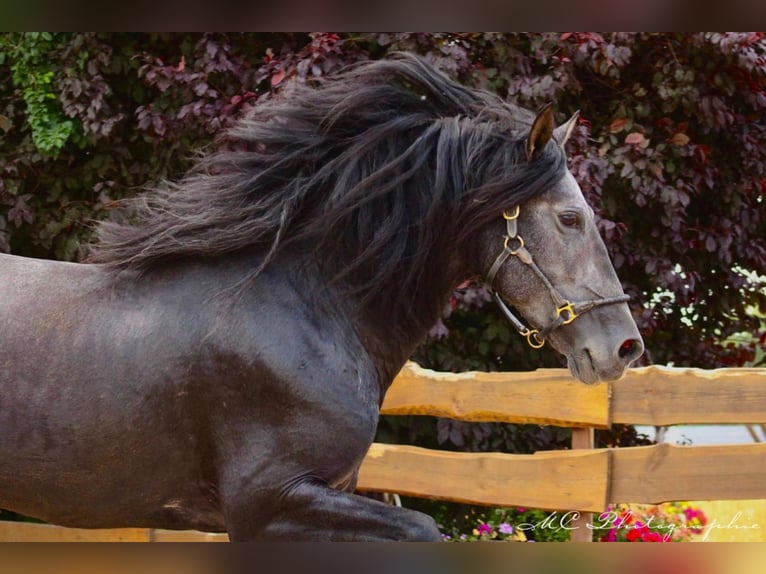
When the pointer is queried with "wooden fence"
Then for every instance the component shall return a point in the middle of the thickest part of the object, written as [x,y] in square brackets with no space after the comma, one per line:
[584,478]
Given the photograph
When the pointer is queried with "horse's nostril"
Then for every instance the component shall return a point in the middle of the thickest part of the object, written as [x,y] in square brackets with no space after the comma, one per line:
[630,349]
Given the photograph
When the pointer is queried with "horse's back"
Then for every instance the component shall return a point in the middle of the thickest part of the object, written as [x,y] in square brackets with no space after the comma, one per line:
[90,373]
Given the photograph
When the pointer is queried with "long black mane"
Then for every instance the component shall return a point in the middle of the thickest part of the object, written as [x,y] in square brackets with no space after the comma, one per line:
[381,173]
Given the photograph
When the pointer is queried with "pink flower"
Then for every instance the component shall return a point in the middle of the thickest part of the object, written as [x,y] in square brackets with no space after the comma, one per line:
[484,529]
[505,528]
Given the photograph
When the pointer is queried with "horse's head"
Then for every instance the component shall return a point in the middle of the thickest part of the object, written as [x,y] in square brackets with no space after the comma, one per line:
[548,261]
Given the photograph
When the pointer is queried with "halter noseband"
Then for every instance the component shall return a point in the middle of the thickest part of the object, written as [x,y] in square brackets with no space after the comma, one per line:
[566,311]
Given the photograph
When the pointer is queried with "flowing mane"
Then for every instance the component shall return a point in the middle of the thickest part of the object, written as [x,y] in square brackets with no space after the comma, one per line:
[380,171]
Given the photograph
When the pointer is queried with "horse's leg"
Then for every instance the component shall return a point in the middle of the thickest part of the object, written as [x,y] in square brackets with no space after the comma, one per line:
[311,510]
[273,497]
[287,471]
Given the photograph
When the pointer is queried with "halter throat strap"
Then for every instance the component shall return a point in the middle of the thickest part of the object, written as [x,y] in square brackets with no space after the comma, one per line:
[566,311]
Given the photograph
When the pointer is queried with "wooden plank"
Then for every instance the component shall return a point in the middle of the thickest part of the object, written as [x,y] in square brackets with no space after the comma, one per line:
[663,396]
[30,532]
[545,396]
[160,535]
[665,472]
[574,480]
[583,439]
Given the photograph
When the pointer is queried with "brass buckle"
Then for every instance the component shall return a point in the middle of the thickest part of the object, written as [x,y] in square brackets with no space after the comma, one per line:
[511,216]
[570,313]
[533,338]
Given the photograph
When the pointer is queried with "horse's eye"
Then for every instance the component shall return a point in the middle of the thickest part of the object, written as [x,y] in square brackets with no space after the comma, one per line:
[569,219]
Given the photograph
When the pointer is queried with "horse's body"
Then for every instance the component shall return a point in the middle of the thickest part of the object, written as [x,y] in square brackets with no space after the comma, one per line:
[183,390]
[174,379]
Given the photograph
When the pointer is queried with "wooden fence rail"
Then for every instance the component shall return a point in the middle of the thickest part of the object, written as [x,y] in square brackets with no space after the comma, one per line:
[647,395]
[584,479]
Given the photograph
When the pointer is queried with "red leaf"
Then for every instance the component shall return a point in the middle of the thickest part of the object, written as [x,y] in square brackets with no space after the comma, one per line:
[181,65]
[703,152]
[565,36]
[618,125]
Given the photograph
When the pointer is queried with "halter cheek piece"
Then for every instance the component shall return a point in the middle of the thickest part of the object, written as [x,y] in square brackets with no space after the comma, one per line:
[566,311]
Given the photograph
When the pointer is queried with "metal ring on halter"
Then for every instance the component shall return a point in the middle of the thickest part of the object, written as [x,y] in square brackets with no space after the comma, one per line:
[521,244]
[512,216]
[533,338]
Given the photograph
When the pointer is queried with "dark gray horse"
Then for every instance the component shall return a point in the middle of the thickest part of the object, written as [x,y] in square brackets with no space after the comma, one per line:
[220,363]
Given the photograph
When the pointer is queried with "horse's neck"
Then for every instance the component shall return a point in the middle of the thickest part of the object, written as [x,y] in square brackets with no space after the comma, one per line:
[388,351]
[387,340]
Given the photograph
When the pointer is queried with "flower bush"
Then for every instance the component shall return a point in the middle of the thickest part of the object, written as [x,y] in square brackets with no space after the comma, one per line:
[507,525]
[669,522]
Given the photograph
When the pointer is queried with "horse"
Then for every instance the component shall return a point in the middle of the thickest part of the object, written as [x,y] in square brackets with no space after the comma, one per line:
[219,360]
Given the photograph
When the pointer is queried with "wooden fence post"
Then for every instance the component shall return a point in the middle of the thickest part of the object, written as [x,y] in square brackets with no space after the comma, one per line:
[583,438]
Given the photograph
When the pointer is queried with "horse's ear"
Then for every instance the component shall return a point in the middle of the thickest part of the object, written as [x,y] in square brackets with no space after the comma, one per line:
[561,134]
[541,132]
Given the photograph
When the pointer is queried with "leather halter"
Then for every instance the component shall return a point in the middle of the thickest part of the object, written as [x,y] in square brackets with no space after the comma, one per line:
[566,311]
